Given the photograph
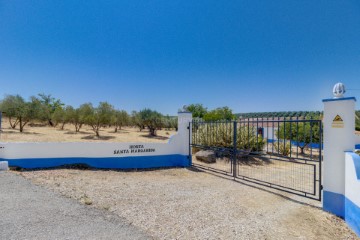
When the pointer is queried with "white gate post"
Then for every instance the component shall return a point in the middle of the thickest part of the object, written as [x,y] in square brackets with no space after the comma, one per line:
[184,120]
[339,127]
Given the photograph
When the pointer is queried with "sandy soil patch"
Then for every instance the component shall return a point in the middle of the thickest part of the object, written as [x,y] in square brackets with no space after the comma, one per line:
[187,204]
[41,133]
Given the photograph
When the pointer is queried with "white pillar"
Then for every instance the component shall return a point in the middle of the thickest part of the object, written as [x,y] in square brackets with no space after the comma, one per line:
[339,127]
[184,119]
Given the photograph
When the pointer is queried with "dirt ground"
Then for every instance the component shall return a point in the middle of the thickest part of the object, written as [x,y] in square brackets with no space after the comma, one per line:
[44,133]
[179,203]
[190,204]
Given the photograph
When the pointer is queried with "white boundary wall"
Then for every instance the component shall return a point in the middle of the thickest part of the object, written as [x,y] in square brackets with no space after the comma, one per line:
[352,191]
[103,155]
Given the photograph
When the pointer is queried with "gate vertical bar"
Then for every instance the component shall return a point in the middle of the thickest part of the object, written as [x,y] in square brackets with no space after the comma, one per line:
[320,160]
[190,142]
[234,149]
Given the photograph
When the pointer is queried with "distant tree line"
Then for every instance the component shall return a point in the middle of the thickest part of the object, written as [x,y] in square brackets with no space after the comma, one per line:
[294,114]
[225,113]
[47,109]
[288,114]
[200,112]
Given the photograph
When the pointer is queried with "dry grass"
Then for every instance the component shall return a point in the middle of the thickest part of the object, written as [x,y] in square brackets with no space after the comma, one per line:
[41,133]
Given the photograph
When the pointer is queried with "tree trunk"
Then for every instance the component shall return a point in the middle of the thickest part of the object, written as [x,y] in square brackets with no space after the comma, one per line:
[62,126]
[302,149]
[96,129]
[152,131]
[21,126]
[77,127]
[116,129]
[13,125]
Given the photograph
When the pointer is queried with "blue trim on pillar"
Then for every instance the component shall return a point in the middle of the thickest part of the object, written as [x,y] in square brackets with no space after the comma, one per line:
[352,216]
[339,99]
[357,146]
[175,160]
[334,203]
[343,207]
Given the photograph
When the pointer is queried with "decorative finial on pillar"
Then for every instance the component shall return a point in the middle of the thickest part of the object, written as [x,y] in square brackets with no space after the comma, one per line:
[339,90]
[183,109]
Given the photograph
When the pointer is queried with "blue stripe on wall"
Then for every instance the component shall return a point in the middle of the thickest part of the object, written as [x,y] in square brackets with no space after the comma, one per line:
[295,143]
[352,216]
[175,160]
[334,203]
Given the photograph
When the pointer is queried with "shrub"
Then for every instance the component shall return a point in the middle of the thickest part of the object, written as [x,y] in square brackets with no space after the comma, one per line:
[282,148]
[221,134]
[248,139]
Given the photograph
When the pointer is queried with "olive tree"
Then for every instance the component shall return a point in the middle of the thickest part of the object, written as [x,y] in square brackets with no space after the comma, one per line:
[170,122]
[119,119]
[98,117]
[223,113]
[49,105]
[136,120]
[21,111]
[197,110]
[303,133]
[151,119]
[79,115]
[10,105]
[63,116]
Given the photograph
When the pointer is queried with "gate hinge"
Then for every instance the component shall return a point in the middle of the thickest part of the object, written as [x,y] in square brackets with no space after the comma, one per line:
[188,128]
[321,187]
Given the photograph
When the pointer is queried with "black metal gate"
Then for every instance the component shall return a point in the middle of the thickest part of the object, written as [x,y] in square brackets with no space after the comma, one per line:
[282,153]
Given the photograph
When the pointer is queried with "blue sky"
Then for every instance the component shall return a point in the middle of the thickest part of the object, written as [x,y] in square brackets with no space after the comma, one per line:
[253,55]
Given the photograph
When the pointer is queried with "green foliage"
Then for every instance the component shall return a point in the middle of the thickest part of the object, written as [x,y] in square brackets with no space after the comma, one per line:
[151,119]
[78,116]
[63,116]
[303,133]
[282,148]
[136,120]
[119,119]
[170,122]
[223,113]
[19,111]
[249,140]
[98,117]
[11,105]
[49,106]
[197,110]
[222,135]
[59,118]
[357,120]
[289,114]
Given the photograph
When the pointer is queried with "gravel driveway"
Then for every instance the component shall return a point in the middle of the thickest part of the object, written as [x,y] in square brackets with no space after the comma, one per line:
[31,212]
[187,204]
